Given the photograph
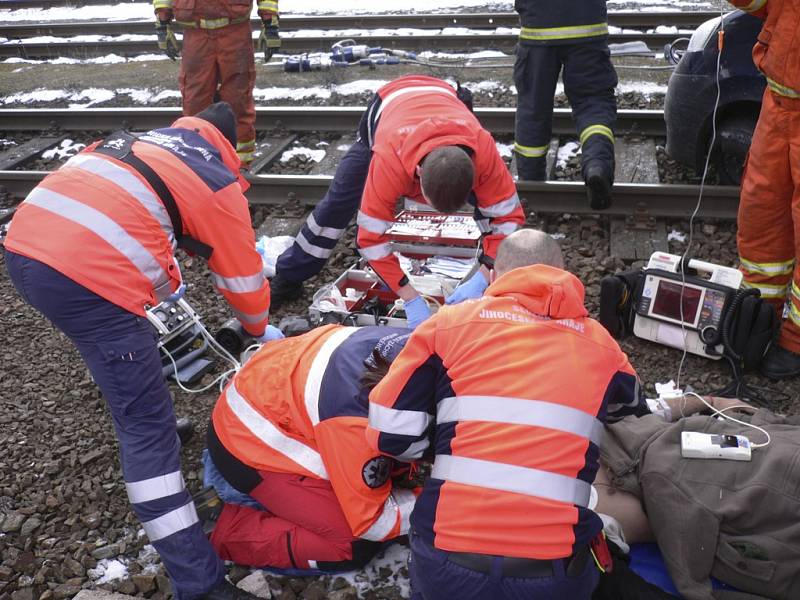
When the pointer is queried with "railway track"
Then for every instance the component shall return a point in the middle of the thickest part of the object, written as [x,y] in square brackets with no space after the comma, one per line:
[460,42]
[559,197]
[293,118]
[625,19]
[656,200]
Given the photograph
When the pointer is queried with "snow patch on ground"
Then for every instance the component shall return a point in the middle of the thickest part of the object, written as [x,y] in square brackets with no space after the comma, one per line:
[505,150]
[144,96]
[108,59]
[273,93]
[38,95]
[647,88]
[676,236]
[117,568]
[297,34]
[566,152]
[66,149]
[109,12]
[394,558]
[359,87]
[315,155]
[81,39]
[108,570]
[115,58]
[144,10]
[433,55]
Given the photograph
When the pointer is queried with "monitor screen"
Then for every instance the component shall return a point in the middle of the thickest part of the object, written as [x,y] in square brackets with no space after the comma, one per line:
[668,301]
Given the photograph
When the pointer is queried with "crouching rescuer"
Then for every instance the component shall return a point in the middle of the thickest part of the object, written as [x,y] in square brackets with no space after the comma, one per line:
[217,56]
[508,394]
[417,139]
[92,246]
[302,489]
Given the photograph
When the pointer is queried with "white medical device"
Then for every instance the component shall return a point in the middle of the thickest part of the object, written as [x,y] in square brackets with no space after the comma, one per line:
[684,310]
[712,445]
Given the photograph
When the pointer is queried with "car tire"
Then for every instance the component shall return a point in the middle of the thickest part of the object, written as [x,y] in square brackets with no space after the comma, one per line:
[735,134]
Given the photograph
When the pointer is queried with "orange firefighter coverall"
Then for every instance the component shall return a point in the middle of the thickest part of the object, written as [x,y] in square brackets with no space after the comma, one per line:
[769,210]
[218,53]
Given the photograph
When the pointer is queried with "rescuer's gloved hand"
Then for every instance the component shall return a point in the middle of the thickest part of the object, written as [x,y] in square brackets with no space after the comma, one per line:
[270,333]
[416,311]
[167,42]
[471,288]
[269,41]
[177,294]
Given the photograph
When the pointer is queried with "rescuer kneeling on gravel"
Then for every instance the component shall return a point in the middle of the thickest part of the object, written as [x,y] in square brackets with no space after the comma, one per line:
[509,394]
[417,139]
[92,246]
[304,491]
[218,56]
[769,208]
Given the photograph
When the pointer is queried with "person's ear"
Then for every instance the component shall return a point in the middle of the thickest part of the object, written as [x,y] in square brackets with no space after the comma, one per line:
[492,276]
[418,171]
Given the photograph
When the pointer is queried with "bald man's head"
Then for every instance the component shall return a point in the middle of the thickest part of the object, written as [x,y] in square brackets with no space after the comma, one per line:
[527,247]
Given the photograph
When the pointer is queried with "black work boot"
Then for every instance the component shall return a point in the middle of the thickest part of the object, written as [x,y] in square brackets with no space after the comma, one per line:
[780,363]
[209,507]
[227,591]
[598,187]
[282,290]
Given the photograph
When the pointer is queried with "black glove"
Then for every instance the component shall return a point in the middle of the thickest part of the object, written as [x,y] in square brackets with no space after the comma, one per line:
[269,41]
[167,42]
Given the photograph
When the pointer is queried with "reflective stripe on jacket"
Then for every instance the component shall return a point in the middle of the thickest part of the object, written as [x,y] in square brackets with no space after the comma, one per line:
[192,10]
[418,114]
[98,221]
[550,22]
[775,53]
[297,407]
[508,393]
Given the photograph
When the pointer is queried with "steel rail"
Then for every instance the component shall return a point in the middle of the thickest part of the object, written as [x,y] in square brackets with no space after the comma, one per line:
[293,118]
[298,45]
[626,19]
[672,201]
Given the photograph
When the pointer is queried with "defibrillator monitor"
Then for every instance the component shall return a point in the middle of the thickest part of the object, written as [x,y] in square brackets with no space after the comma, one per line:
[684,310]
[675,302]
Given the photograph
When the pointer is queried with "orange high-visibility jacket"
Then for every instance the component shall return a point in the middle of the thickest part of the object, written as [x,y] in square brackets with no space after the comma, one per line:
[509,393]
[776,52]
[297,407]
[97,221]
[418,114]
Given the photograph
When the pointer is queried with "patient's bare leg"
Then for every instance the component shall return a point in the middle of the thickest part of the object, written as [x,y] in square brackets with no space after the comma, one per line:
[624,507]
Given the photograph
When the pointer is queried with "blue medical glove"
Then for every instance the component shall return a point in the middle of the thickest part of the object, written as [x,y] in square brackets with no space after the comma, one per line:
[416,311]
[177,294]
[471,288]
[270,333]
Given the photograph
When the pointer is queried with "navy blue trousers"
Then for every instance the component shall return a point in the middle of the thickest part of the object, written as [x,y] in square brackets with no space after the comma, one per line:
[589,82]
[120,350]
[325,225]
[434,577]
